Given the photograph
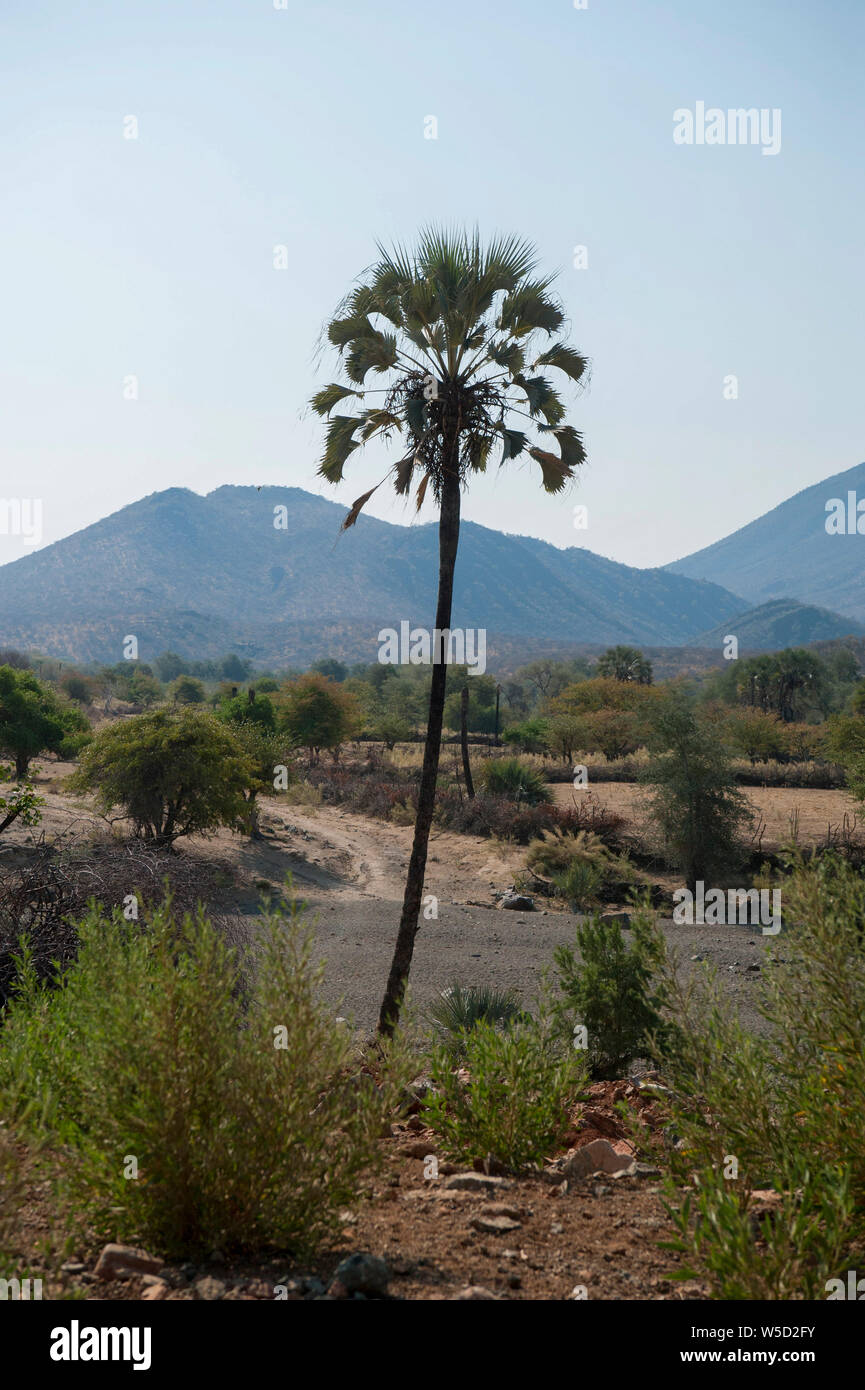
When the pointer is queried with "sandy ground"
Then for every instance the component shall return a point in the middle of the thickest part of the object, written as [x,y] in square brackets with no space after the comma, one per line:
[811,813]
[350,870]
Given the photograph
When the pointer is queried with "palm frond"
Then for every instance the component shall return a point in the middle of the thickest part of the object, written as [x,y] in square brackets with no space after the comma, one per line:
[555,471]
[421,492]
[514,442]
[510,356]
[372,351]
[478,451]
[339,443]
[528,308]
[403,470]
[541,397]
[341,332]
[357,507]
[565,358]
[379,421]
[571,446]
[324,400]
[414,414]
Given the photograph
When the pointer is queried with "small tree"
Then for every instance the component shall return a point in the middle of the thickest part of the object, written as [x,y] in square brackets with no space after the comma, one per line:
[143,688]
[173,775]
[246,709]
[270,761]
[756,734]
[33,719]
[532,736]
[694,802]
[317,713]
[625,664]
[607,988]
[330,666]
[186,690]
[391,729]
[77,687]
[169,666]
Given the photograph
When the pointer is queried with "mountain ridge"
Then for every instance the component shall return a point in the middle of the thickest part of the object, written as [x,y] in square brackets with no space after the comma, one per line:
[178,568]
[787,553]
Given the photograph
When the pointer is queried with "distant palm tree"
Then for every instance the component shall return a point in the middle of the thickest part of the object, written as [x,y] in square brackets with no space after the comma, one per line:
[452,326]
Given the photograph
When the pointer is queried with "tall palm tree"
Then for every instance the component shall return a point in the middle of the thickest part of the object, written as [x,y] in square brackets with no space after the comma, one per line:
[452,327]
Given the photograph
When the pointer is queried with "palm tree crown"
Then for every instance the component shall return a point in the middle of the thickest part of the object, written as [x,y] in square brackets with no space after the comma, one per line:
[454,327]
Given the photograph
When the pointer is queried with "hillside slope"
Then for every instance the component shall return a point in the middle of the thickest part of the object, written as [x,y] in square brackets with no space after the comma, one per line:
[203,575]
[787,553]
[781,623]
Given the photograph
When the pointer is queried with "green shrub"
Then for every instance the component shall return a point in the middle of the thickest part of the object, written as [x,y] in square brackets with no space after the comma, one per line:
[511,778]
[461,1008]
[579,866]
[236,1100]
[514,1105]
[609,988]
[390,729]
[187,690]
[173,774]
[532,736]
[579,884]
[698,810]
[788,1104]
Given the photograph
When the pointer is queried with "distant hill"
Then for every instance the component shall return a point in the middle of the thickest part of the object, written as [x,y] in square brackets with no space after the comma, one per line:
[782,623]
[207,575]
[788,553]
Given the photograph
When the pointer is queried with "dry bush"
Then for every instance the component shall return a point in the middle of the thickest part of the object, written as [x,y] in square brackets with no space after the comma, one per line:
[44,891]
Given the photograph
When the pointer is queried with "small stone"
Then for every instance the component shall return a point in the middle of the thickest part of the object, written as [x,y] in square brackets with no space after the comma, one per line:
[362,1273]
[258,1288]
[501,1209]
[155,1292]
[125,1262]
[623,918]
[474,1293]
[517,902]
[474,1182]
[598,1157]
[494,1225]
[72,1267]
[210,1289]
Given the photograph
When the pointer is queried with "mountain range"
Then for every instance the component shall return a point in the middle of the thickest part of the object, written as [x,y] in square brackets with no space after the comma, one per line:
[268,573]
[789,553]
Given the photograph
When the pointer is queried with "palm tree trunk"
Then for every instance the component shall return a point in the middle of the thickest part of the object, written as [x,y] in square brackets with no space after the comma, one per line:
[449,531]
[464,741]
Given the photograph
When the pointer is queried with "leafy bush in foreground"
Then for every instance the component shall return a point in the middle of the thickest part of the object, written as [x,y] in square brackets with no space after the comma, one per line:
[788,1105]
[608,986]
[237,1108]
[515,1102]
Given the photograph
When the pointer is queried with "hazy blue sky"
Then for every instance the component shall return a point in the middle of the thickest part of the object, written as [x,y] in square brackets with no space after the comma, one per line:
[304,127]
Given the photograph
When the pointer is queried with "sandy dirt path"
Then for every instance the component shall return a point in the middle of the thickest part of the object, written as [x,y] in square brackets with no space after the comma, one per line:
[350,870]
